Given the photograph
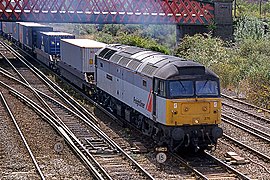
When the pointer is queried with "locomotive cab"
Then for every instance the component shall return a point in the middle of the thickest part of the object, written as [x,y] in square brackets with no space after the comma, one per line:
[193,106]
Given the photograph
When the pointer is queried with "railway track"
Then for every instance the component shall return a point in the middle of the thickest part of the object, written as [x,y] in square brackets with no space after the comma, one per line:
[14,155]
[12,116]
[254,129]
[34,128]
[83,138]
[88,140]
[214,163]
[246,132]
[207,166]
[261,114]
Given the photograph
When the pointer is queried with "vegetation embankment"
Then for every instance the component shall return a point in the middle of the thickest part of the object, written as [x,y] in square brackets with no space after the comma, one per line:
[243,65]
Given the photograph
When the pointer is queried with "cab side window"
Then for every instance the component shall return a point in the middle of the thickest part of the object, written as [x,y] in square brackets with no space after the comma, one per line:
[160,87]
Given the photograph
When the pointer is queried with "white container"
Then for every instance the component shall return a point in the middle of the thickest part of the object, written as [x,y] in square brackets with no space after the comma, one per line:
[80,53]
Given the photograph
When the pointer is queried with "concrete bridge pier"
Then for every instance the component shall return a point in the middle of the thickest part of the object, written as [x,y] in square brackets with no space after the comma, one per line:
[222,26]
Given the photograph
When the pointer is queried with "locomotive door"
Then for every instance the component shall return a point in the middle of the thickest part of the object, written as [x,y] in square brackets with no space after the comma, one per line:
[159,101]
[119,83]
[155,92]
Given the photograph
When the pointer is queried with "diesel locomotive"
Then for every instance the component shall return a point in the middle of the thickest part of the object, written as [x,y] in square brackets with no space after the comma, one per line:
[175,101]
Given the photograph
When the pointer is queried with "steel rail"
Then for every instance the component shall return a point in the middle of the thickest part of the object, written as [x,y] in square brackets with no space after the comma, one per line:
[243,102]
[247,112]
[2,69]
[247,147]
[21,76]
[61,130]
[244,120]
[239,174]
[247,128]
[22,137]
[15,53]
[74,104]
[105,136]
[198,173]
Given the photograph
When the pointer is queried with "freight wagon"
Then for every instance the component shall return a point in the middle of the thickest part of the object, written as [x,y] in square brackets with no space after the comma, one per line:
[7,29]
[49,42]
[48,47]
[77,60]
[28,34]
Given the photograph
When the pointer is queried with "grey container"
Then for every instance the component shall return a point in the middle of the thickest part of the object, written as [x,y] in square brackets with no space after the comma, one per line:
[80,53]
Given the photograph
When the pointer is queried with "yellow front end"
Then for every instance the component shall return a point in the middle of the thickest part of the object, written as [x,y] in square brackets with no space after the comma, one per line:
[193,111]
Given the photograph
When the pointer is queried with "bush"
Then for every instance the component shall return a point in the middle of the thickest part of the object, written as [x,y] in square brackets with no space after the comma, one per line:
[135,40]
[212,53]
[249,28]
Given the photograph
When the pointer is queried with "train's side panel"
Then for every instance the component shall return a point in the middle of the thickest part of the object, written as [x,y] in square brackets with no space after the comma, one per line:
[21,33]
[44,57]
[71,55]
[33,33]
[116,84]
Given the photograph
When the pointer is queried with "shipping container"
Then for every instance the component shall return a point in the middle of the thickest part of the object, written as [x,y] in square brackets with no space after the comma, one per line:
[28,33]
[80,53]
[1,30]
[15,31]
[49,42]
[7,27]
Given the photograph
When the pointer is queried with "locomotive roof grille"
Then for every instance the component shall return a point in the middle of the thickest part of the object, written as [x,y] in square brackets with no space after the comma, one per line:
[155,59]
[149,69]
[134,64]
[115,58]
[124,54]
[109,54]
[133,50]
[124,61]
[154,64]
[103,52]
[191,70]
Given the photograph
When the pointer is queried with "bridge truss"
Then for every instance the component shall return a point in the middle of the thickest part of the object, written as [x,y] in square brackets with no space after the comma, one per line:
[109,11]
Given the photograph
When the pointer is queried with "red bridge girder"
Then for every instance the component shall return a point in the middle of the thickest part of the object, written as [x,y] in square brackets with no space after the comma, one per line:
[108,11]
